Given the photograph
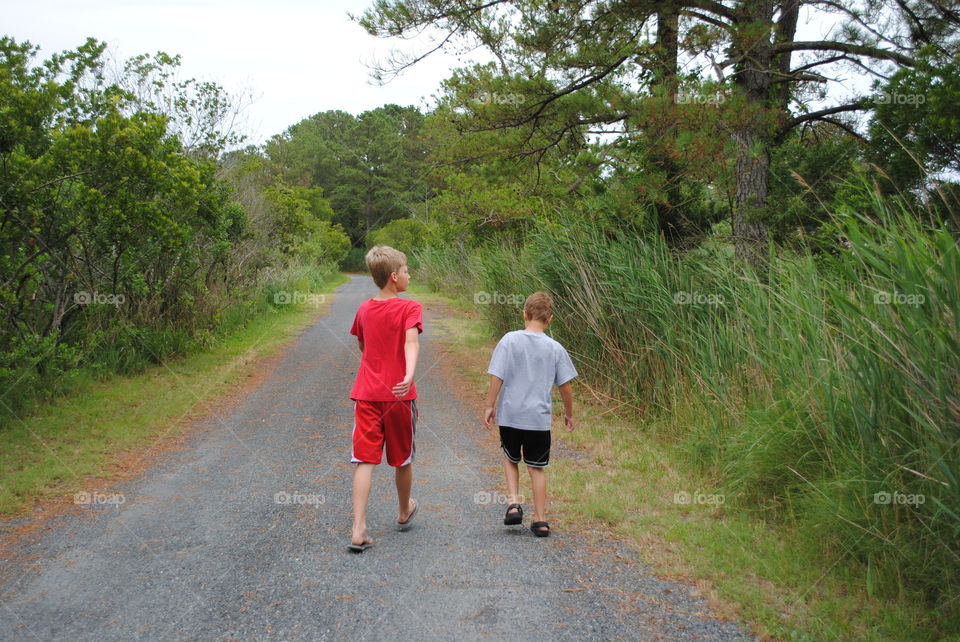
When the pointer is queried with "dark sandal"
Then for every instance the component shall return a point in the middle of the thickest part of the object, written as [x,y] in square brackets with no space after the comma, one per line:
[540,529]
[512,519]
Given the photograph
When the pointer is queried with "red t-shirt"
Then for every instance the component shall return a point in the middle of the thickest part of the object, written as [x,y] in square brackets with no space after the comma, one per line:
[382,326]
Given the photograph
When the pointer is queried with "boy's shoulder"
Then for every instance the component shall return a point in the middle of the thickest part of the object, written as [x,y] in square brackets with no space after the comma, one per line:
[515,336]
[374,313]
[405,301]
[409,306]
[511,336]
[396,302]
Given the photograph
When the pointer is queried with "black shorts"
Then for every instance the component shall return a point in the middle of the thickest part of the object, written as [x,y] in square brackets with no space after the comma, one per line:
[535,445]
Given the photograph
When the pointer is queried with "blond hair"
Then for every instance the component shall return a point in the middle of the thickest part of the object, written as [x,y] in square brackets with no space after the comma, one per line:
[382,261]
[538,307]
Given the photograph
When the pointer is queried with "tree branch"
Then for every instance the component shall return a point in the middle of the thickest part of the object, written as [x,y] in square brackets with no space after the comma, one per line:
[818,115]
[715,8]
[396,69]
[709,20]
[844,47]
[844,127]
[857,19]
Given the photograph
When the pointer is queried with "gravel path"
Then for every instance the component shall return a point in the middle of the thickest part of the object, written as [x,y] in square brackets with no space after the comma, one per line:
[200,548]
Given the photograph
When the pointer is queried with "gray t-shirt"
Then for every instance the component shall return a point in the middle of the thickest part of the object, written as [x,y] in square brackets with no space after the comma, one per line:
[530,364]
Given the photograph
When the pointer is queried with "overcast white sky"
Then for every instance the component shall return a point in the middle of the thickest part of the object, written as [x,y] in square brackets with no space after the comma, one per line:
[299,57]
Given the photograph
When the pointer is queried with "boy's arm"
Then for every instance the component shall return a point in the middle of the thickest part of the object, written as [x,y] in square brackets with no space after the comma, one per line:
[360,341]
[489,413]
[411,352]
[566,393]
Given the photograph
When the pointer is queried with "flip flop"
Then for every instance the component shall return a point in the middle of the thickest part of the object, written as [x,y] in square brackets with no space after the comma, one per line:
[359,548]
[402,526]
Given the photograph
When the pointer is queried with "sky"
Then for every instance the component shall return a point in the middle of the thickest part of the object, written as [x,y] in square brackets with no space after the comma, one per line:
[297,57]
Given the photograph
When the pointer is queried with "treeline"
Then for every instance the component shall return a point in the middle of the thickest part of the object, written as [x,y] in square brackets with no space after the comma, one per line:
[124,238]
[357,173]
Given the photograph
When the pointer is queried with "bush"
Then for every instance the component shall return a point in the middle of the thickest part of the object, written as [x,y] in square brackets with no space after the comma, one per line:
[355,260]
[404,234]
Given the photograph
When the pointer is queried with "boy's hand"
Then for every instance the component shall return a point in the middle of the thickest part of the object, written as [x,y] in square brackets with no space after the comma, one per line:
[489,418]
[568,421]
[402,388]
[489,413]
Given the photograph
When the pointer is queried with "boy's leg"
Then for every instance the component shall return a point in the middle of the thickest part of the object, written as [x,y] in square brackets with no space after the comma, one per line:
[512,473]
[400,429]
[538,479]
[510,443]
[362,478]
[404,478]
[536,455]
[367,449]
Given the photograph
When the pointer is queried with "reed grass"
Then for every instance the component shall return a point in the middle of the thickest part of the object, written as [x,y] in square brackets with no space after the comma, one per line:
[833,382]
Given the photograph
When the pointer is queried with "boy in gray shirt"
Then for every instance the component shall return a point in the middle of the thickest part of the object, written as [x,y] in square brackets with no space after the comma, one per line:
[526,364]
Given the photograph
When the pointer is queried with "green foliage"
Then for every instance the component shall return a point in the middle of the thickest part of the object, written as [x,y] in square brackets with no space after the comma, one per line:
[201,115]
[807,175]
[302,224]
[370,167]
[355,261]
[478,207]
[120,244]
[405,234]
[915,131]
[569,75]
[327,244]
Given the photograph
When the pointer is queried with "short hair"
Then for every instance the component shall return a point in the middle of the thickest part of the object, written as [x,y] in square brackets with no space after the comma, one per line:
[382,261]
[538,306]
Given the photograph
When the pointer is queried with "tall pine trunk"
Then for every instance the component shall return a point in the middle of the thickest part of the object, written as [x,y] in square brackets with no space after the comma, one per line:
[670,218]
[752,132]
[750,203]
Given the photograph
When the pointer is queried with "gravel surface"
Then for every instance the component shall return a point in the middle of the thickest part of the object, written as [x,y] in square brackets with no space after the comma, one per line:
[201,549]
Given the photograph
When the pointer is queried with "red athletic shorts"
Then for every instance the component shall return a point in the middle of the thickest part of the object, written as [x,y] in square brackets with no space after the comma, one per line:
[376,422]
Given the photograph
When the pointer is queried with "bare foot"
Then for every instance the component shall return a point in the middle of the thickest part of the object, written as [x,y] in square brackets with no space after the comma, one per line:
[360,538]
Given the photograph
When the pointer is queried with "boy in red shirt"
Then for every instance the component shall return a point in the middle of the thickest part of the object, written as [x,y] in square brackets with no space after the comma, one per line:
[387,328]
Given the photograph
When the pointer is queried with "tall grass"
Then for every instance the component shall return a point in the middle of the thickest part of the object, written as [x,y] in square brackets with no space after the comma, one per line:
[832,384]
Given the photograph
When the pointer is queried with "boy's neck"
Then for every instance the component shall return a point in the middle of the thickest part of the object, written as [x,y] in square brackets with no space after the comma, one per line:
[535,326]
[387,292]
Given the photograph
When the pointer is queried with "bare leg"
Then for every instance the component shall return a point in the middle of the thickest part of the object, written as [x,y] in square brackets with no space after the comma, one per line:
[538,478]
[512,472]
[404,478]
[362,478]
